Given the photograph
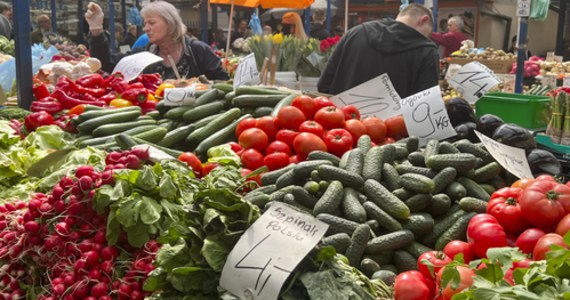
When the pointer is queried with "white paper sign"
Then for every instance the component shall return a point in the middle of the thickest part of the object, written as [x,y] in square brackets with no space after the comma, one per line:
[473,81]
[376,97]
[269,251]
[452,70]
[549,80]
[314,59]
[566,81]
[180,96]
[523,8]
[124,49]
[131,66]
[154,154]
[426,117]
[551,56]
[246,72]
[512,159]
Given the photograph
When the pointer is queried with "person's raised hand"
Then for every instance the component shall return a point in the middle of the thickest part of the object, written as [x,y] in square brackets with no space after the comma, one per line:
[94,16]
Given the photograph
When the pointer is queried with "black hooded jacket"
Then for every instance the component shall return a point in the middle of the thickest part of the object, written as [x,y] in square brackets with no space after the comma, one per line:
[377,47]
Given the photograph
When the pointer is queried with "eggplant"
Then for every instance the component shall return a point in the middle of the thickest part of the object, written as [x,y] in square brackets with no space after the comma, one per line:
[514,135]
[488,123]
[542,161]
[466,131]
[459,111]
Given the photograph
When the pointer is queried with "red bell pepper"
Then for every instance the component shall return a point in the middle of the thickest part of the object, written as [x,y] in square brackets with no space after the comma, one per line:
[109,97]
[136,85]
[37,119]
[69,102]
[111,79]
[51,107]
[68,85]
[151,81]
[90,80]
[120,86]
[40,90]
[135,95]
[64,122]
[148,106]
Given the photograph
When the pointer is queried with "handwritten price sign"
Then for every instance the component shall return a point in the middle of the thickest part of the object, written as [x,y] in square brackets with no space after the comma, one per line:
[131,66]
[246,72]
[512,159]
[473,81]
[426,117]
[376,97]
[269,251]
[180,96]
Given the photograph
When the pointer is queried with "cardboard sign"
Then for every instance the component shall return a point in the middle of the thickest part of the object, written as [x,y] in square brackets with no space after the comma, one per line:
[269,251]
[246,72]
[473,81]
[180,96]
[376,97]
[512,159]
[426,117]
[131,66]
[154,154]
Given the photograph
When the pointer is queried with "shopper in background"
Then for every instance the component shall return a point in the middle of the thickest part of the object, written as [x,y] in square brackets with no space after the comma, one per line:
[318,30]
[339,31]
[514,49]
[401,48]
[167,39]
[241,32]
[44,27]
[453,38]
[130,36]
[6,19]
[267,30]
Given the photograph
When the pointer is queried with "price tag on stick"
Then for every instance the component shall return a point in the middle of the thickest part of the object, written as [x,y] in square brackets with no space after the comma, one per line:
[269,251]
[511,158]
[180,96]
[131,66]
[376,97]
[473,81]
[246,72]
[426,117]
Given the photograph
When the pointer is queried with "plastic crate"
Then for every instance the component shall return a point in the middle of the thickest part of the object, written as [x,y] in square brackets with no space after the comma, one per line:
[531,112]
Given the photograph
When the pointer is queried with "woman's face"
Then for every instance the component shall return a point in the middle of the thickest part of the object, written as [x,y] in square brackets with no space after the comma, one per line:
[156,28]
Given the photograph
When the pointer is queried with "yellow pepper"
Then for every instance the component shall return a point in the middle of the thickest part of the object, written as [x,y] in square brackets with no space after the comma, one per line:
[120,103]
[151,98]
[160,90]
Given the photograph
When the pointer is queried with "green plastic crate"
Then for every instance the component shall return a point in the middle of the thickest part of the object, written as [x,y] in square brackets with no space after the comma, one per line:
[531,112]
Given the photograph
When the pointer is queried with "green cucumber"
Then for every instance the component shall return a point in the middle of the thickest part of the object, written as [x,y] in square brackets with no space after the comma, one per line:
[419,223]
[411,143]
[330,200]
[389,153]
[259,199]
[443,178]
[121,117]
[206,120]
[114,128]
[339,241]
[460,162]
[348,179]
[432,148]
[208,97]
[391,241]
[497,182]
[303,197]
[438,205]
[104,139]
[351,207]
[455,191]
[303,169]
[488,188]
[176,113]
[403,194]
[220,137]
[470,204]
[154,135]
[365,143]
[457,231]
[447,148]
[417,183]
[312,187]
[202,111]
[487,172]
[404,261]
[247,101]
[387,276]
[155,115]
[372,167]
[384,219]
[369,266]
[382,258]
[473,189]
[355,161]
[391,177]
[322,155]
[466,146]
[284,102]
[258,90]
[418,202]
[440,227]
[338,224]
[272,176]
[401,152]
[221,123]
[417,159]
[262,111]
[286,179]
[385,199]
[404,169]
[177,135]
[358,244]
[416,249]
[224,87]
[88,115]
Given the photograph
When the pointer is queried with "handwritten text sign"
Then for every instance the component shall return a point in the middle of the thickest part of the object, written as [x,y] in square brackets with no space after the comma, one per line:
[131,66]
[154,154]
[426,117]
[376,97]
[452,70]
[566,82]
[512,159]
[549,80]
[246,72]
[473,81]
[269,251]
[180,96]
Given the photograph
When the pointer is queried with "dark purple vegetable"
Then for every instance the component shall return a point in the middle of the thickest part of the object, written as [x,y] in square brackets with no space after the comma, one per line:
[459,111]
[542,161]
[466,131]
[488,123]
[514,135]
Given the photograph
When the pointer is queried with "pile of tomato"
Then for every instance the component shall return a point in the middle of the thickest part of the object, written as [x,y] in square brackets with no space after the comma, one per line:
[531,214]
[309,124]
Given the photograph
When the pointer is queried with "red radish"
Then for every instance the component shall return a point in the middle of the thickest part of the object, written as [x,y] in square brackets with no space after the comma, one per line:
[28,216]
[94,274]
[34,204]
[109,253]
[21,205]
[85,183]
[119,166]
[62,228]
[57,192]
[57,281]
[59,206]
[84,171]
[99,237]
[59,289]
[113,157]
[66,182]
[81,290]
[32,227]
[100,289]
[133,162]
[69,279]
[136,295]
[91,258]
[9,206]
[3,209]
[45,208]
[124,289]
[107,267]
[141,153]
[80,265]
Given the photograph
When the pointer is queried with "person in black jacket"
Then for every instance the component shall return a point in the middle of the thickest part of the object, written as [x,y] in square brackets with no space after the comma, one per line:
[401,48]
[318,30]
[167,38]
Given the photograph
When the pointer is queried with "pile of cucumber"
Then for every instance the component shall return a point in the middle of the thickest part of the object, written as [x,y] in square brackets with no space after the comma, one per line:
[386,205]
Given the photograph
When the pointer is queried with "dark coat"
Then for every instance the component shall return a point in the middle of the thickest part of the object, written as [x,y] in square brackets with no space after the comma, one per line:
[319,31]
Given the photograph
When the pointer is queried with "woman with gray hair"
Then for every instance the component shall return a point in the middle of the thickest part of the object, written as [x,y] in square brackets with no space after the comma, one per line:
[167,39]
[452,39]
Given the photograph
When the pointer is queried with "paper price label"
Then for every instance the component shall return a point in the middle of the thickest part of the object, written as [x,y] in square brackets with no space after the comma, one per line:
[246,72]
[551,56]
[452,70]
[523,8]
[473,81]
[179,96]
[566,81]
[269,251]
[376,97]
[314,59]
[131,66]
[426,117]
[549,80]
[154,154]
[512,159]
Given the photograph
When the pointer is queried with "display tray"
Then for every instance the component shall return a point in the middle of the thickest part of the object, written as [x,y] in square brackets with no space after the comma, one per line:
[561,152]
[530,112]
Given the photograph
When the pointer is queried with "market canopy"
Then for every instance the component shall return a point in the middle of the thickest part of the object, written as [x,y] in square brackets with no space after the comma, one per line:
[266,3]
[277,13]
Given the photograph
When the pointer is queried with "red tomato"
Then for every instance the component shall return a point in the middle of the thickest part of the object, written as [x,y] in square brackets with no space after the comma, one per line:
[411,285]
[252,159]
[484,232]
[253,138]
[278,147]
[516,265]
[527,240]
[356,129]
[208,167]
[244,124]
[312,127]
[504,206]
[323,102]
[544,203]
[268,125]
[235,147]
[290,117]
[544,243]
[306,104]
[459,247]
[545,177]
[305,143]
[438,260]
[286,136]
[466,280]
[293,159]
[192,161]
[275,161]
[388,140]
[396,128]
[375,128]
[350,112]
[338,141]
[330,117]
[522,183]
[563,226]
